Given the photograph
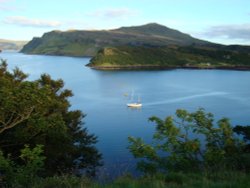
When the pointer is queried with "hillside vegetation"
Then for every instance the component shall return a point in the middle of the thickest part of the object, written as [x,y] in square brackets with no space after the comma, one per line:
[148,46]
[88,43]
[127,57]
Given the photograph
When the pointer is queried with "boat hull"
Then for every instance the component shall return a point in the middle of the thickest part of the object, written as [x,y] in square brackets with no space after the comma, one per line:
[134,105]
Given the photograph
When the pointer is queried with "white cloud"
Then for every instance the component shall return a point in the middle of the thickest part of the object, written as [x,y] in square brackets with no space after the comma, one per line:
[113,13]
[23,21]
[236,31]
[5,7]
[3,1]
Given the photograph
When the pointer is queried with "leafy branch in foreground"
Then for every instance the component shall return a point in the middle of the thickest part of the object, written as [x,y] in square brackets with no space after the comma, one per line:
[38,113]
[25,174]
[188,142]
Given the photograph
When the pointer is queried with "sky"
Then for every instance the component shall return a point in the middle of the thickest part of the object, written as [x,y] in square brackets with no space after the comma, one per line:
[220,21]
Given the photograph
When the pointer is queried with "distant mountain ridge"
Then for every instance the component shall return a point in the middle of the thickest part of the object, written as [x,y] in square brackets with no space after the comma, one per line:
[11,44]
[88,43]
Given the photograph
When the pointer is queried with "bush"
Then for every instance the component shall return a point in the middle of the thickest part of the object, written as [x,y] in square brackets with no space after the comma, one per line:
[189,142]
[22,175]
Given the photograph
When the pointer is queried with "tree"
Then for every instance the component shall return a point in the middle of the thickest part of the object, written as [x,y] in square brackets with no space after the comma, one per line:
[21,175]
[189,142]
[244,131]
[12,89]
[38,113]
[245,156]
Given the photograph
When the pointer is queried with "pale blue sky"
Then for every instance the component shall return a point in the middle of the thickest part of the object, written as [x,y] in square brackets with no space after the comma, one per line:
[222,21]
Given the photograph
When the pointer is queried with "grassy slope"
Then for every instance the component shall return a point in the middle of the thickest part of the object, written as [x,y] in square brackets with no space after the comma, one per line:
[172,56]
[87,43]
[173,180]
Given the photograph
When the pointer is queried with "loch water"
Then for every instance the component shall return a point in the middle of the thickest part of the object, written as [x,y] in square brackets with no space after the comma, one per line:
[102,96]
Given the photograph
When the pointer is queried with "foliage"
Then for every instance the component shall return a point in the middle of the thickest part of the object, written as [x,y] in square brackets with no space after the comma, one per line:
[245,156]
[25,174]
[178,144]
[137,57]
[63,181]
[37,113]
[244,131]
[171,180]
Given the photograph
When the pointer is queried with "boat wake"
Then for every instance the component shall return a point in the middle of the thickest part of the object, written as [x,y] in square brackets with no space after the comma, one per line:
[185,98]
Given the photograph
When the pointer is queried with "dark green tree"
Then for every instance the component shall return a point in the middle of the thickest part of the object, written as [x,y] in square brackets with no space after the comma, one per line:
[38,112]
[15,175]
[189,142]
[244,131]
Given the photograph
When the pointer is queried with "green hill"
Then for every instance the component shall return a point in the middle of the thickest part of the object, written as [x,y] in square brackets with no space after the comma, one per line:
[127,57]
[88,43]
[147,46]
[11,44]
[169,36]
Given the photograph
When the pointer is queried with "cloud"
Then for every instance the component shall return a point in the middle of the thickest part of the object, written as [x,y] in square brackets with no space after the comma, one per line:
[5,7]
[237,31]
[8,8]
[4,1]
[114,13]
[23,21]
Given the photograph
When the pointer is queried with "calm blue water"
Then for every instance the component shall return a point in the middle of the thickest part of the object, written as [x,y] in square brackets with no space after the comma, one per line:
[102,96]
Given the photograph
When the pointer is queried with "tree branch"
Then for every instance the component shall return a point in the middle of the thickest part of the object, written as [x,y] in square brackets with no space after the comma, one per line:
[12,122]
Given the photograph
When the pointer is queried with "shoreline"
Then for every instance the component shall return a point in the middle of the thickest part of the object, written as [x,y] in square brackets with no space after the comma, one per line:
[55,54]
[153,67]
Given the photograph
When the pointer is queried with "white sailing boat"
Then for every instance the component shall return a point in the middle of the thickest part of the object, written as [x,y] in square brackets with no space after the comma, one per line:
[137,104]
[134,105]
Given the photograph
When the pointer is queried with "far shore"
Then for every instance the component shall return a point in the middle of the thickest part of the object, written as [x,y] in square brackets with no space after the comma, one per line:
[153,67]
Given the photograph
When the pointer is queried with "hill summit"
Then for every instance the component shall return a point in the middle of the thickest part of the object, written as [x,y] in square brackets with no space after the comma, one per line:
[155,29]
[88,43]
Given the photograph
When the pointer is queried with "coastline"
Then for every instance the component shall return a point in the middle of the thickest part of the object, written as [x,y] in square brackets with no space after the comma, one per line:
[153,67]
[56,54]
